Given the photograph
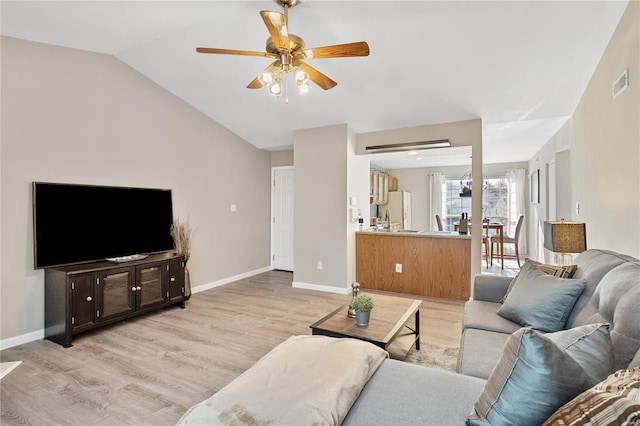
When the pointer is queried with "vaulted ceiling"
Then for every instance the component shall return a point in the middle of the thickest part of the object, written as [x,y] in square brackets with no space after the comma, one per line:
[520,66]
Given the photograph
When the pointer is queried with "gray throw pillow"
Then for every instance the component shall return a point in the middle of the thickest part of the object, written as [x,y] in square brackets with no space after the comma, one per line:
[534,376]
[590,345]
[558,271]
[540,300]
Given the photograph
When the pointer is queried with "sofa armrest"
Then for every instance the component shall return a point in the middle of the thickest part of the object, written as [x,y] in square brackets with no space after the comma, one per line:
[490,288]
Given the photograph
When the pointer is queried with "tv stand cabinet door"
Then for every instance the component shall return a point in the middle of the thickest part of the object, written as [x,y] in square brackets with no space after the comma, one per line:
[82,302]
[176,280]
[151,285]
[116,293]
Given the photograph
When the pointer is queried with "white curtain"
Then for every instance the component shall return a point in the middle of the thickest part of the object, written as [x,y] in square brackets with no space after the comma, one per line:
[436,182]
[517,203]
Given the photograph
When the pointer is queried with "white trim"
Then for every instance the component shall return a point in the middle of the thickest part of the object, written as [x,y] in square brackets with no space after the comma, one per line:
[224,281]
[39,334]
[21,339]
[272,184]
[318,287]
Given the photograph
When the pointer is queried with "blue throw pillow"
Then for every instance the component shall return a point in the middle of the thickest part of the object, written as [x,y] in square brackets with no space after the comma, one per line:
[538,373]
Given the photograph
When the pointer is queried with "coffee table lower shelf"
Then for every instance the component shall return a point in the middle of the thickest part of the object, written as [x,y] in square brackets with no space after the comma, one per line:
[402,344]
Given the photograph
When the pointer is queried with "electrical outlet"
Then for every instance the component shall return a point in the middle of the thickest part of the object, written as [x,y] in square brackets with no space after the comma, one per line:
[399,267]
[319,264]
[233,208]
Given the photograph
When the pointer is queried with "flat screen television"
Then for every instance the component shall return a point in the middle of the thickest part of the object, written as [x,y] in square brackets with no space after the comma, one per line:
[83,223]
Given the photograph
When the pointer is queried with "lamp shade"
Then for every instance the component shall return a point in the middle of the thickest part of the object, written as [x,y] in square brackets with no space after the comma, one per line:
[565,237]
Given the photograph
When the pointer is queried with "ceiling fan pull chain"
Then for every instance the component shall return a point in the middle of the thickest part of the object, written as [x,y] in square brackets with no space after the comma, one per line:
[286,91]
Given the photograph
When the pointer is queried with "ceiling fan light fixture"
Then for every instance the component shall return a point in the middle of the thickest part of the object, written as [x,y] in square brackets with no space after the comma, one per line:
[301,76]
[303,87]
[276,87]
[266,78]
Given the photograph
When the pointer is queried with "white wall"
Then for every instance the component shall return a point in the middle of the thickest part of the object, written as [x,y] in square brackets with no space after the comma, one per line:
[416,181]
[81,117]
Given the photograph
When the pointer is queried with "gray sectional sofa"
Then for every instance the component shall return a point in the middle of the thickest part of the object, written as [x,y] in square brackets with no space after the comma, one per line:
[401,393]
[532,370]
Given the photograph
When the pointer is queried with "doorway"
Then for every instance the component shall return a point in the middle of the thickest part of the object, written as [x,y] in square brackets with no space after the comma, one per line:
[282,218]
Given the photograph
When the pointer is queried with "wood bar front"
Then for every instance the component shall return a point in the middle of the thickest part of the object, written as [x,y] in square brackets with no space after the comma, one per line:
[433,265]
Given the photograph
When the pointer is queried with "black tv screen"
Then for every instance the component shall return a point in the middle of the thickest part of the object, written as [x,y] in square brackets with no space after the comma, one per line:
[83,223]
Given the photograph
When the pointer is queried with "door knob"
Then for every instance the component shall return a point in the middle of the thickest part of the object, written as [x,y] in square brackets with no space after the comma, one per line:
[133,289]
[89,298]
[138,288]
[173,279]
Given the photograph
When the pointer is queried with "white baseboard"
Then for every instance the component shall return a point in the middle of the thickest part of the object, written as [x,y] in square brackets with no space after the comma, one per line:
[224,281]
[21,339]
[318,287]
[39,334]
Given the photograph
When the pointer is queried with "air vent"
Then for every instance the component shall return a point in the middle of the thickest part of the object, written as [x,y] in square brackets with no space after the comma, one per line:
[408,146]
[621,83]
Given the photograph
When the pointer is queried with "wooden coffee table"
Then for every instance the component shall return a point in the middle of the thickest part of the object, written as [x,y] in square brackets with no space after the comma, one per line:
[388,327]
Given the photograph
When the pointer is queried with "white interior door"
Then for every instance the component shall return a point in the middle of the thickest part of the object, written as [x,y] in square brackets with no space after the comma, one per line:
[282,218]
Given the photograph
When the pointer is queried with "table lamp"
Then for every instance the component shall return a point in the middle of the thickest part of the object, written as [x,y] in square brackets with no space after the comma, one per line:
[563,238]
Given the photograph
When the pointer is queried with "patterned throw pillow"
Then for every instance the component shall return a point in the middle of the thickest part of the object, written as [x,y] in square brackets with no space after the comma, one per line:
[553,270]
[614,401]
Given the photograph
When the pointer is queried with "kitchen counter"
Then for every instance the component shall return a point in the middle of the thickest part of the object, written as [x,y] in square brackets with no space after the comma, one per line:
[432,263]
[413,233]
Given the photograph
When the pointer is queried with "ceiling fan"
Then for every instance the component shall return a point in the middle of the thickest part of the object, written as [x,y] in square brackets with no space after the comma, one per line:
[289,51]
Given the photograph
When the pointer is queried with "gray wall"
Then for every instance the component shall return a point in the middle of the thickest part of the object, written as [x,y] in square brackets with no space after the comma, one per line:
[282,158]
[604,139]
[460,133]
[80,117]
[320,234]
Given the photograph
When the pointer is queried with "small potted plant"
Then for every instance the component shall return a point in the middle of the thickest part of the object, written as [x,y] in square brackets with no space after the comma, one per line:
[362,304]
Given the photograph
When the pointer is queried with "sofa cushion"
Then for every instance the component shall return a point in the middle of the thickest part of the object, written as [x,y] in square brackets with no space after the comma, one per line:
[614,401]
[593,265]
[482,315]
[480,351]
[616,302]
[535,376]
[539,300]
[400,393]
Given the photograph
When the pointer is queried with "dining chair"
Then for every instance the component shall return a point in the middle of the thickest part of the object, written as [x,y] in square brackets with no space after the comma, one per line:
[439,222]
[508,239]
[485,240]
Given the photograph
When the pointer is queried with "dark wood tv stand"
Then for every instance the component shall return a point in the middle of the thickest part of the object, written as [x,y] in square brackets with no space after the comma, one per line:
[91,295]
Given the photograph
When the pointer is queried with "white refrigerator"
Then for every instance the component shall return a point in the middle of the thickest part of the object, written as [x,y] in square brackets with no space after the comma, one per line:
[400,208]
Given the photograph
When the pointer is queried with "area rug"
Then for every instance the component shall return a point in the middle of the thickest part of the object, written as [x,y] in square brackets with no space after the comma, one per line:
[6,367]
[434,356]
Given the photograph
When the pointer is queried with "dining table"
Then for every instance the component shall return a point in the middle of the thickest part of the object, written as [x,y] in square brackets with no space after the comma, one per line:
[489,226]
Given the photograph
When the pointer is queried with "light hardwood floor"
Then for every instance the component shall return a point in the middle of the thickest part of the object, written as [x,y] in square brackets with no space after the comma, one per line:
[151,369]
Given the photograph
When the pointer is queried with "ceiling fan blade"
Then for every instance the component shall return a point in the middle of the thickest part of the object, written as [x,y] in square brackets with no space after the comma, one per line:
[359,48]
[234,52]
[277,26]
[256,83]
[317,77]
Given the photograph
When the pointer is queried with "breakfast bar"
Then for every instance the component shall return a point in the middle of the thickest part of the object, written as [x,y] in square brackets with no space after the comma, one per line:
[427,263]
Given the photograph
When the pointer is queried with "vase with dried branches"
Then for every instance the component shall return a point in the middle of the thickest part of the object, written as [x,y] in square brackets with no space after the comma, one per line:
[181,232]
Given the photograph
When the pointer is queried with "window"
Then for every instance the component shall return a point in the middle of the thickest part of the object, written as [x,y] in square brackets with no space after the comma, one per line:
[495,201]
